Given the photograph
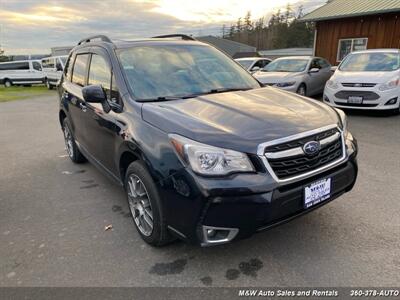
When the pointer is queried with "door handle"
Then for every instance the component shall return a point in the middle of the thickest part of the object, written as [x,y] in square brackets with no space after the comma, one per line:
[83,107]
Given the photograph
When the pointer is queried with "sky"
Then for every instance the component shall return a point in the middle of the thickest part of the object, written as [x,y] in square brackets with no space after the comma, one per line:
[34,26]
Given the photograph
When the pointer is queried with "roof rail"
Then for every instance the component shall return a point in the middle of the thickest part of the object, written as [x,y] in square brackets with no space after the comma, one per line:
[182,36]
[90,38]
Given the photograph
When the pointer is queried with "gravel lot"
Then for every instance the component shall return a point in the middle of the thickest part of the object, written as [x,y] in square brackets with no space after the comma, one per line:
[53,214]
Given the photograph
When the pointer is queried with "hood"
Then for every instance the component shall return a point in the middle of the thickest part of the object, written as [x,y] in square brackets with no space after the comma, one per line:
[275,77]
[239,120]
[364,77]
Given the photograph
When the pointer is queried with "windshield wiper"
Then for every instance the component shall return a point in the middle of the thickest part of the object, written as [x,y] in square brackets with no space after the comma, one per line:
[161,98]
[224,90]
[213,91]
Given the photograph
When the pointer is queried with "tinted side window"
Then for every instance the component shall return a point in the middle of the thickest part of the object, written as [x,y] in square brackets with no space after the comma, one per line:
[15,66]
[324,63]
[79,69]
[36,66]
[48,63]
[315,64]
[99,72]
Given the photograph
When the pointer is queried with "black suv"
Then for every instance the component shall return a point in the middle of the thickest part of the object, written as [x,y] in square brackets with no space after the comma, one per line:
[203,150]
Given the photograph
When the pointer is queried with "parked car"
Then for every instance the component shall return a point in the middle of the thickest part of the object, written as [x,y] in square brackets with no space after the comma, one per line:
[305,75]
[253,64]
[205,155]
[21,72]
[367,79]
[53,68]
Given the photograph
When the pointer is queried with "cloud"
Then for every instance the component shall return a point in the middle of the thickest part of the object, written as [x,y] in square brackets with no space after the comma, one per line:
[36,26]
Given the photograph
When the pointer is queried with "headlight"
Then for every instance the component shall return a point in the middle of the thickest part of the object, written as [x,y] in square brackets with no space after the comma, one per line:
[209,160]
[332,84]
[343,120]
[390,85]
[286,84]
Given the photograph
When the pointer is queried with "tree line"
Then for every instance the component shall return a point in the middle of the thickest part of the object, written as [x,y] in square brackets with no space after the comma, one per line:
[283,30]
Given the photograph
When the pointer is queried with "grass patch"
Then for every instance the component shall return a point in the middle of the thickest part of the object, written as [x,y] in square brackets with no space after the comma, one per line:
[22,92]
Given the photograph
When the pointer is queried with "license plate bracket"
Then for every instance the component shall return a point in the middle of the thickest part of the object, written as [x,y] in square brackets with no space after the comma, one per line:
[355,100]
[317,192]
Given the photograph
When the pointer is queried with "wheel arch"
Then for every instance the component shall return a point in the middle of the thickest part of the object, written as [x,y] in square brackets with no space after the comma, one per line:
[126,157]
[61,116]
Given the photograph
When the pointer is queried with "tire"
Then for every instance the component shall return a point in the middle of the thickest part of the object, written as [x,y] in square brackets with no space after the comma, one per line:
[302,90]
[48,85]
[72,149]
[145,205]
[7,83]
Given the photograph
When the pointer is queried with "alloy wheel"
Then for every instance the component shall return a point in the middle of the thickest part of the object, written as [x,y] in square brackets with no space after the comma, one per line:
[301,91]
[140,206]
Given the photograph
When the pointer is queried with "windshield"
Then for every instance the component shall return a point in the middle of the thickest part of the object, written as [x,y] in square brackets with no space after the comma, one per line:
[180,70]
[246,63]
[286,65]
[376,61]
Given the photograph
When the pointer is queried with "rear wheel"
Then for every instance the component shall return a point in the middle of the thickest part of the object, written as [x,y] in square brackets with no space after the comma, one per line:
[302,90]
[145,205]
[72,149]
[7,83]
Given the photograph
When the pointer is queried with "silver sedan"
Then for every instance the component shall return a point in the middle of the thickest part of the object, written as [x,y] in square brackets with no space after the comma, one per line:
[305,75]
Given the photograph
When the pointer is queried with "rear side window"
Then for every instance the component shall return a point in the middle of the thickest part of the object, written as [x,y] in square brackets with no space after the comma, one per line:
[79,70]
[15,66]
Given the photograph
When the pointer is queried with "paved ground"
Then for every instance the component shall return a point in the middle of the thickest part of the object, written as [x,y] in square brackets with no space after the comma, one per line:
[53,213]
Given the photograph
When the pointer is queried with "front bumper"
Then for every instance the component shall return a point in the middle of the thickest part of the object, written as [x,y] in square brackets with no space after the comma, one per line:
[381,103]
[242,204]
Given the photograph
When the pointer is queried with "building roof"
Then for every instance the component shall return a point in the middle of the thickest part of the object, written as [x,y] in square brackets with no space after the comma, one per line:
[336,9]
[230,47]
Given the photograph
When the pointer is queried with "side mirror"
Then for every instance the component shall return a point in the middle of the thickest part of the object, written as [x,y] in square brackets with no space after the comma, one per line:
[59,68]
[95,94]
[255,69]
[314,70]
[333,69]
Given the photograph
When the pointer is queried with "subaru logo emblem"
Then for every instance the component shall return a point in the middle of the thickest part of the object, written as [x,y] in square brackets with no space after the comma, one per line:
[311,148]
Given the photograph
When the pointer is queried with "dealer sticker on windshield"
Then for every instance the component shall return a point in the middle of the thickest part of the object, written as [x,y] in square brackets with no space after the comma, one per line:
[317,192]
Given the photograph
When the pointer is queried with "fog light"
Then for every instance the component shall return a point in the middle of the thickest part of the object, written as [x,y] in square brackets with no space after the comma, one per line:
[218,235]
[326,99]
[211,233]
[391,101]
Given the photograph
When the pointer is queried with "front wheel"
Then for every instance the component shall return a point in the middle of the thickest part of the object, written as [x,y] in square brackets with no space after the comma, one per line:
[145,205]
[302,90]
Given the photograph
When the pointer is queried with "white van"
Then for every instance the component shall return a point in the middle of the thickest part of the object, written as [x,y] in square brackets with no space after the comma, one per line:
[53,68]
[21,72]
[368,79]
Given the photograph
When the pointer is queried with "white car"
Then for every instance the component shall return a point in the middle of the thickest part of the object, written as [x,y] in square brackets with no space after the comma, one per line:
[21,72]
[53,68]
[367,79]
[305,75]
[253,64]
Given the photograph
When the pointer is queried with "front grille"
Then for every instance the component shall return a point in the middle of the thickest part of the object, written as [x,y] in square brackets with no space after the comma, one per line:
[300,142]
[364,94]
[348,84]
[286,167]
